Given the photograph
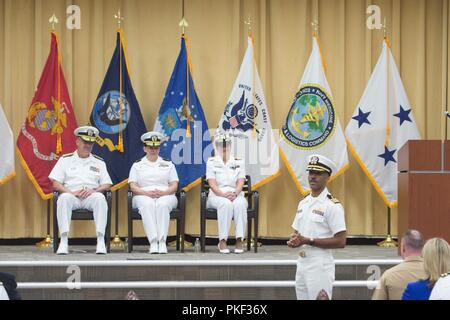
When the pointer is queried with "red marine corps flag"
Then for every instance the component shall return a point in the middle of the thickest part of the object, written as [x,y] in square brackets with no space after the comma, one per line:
[48,129]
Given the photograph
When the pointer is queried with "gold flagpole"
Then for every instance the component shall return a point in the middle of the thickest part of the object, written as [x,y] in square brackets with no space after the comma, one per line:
[117,242]
[388,242]
[248,23]
[48,241]
[183,24]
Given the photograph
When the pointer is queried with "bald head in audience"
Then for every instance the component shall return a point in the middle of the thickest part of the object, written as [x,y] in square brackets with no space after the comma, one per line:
[411,244]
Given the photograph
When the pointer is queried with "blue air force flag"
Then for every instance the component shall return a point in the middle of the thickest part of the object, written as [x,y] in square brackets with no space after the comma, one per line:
[182,122]
[312,125]
[116,114]
[382,123]
[246,118]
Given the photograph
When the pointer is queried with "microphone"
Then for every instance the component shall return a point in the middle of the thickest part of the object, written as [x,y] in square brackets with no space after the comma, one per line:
[447,114]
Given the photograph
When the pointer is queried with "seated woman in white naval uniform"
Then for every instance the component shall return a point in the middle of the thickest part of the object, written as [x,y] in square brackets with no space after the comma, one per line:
[81,177]
[226,177]
[154,182]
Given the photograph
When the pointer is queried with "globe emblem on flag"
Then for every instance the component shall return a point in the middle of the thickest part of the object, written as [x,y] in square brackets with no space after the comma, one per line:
[107,112]
[311,120]
[40,117]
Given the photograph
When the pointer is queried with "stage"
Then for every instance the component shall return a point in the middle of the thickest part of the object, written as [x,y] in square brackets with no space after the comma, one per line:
[269,274]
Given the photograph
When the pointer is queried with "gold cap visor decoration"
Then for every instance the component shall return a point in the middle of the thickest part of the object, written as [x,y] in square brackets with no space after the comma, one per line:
[87,133]
[152,139]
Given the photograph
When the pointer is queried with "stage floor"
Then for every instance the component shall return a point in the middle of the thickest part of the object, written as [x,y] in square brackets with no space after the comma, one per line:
[32,265]
[267,252]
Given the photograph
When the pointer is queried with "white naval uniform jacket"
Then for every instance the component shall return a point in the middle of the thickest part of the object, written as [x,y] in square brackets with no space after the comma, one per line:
[77,173]
[153,175]
[320,217]
[227,174]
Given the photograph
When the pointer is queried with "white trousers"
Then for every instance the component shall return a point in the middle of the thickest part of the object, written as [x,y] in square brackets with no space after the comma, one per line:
[226,211]
[155,215]
[315,273]
[96,203]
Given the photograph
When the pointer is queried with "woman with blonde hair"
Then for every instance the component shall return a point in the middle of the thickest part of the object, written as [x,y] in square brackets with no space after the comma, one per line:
[436,261]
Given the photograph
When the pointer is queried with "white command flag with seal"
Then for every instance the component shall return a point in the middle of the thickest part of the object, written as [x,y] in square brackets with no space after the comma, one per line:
[312,125]
[246,118]
[381,124]
[7,170]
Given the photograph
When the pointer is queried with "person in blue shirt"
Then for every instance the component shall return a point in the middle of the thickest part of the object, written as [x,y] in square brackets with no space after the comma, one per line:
[436,260]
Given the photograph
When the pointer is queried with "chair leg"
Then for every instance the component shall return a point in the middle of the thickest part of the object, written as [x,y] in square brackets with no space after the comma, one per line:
[249,234]
[182,231]
[256,234]
[203,233]
[108,236]
[130,234]
[178,234]
[55,232]
[108,239]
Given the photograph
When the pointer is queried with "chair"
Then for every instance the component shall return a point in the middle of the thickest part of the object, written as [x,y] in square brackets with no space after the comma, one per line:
[81,214]
[211,214]
[178,214]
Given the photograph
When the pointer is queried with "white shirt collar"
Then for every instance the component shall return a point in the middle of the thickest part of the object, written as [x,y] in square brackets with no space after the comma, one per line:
[76,157]
[322,196]
[146,161]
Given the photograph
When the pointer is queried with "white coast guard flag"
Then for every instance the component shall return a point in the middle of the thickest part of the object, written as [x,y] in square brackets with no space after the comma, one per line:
[7,153]
[380,127]
[246,118]
[312,125]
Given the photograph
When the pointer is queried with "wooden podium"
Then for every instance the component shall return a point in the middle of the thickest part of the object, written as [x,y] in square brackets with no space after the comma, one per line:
[424,188]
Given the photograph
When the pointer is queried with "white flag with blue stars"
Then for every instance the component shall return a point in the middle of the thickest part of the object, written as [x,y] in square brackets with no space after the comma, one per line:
[382,123]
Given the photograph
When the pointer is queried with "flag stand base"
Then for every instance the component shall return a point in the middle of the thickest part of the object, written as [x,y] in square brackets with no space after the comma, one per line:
[46,243]
[117,242]
[187,244]
[388,243]
[252,243]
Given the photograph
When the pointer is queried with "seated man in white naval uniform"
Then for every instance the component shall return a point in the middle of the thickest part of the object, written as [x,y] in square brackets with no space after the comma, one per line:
[154,182]
[81,178]
[319,227]
[226,177]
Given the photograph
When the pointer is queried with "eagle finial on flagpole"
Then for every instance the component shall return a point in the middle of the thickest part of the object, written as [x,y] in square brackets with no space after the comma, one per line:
[315,27]
[248,22]
[183,24]
[384,28]
[119,18]
[53,21]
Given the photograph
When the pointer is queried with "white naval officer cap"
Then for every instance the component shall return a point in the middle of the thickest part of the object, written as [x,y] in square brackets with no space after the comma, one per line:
[87,133]
[319,163]
[222,138]
[152,139]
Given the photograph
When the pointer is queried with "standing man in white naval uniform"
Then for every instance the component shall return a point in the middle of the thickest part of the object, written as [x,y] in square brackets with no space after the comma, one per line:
[226,177]
[81,178]
[154,182]
[319,227]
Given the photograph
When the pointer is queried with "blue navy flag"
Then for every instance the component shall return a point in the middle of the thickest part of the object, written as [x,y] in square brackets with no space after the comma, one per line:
[182,121]
[116,114]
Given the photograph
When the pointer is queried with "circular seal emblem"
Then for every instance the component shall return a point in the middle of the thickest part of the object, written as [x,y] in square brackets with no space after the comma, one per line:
[106,113]
[311,120]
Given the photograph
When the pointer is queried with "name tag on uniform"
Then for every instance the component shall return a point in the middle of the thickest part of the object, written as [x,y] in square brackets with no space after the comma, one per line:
[163,165]
[95,169]
[320,213]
